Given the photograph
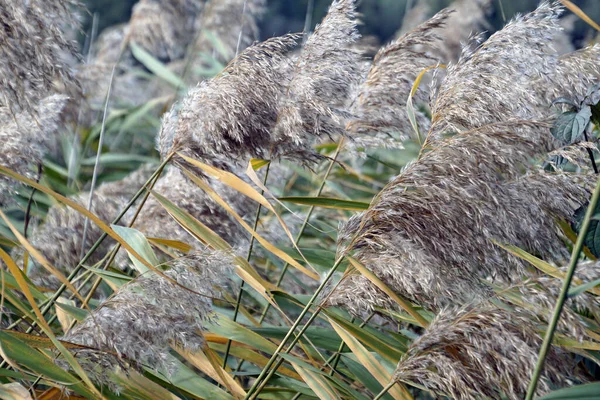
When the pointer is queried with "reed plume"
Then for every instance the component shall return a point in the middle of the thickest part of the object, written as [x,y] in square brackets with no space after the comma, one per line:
[492,82]
[164,28]
[326,71]
[380,105]
[34,49]
[229,22]
[482,350]
[25,138]
[234,112]
[468,19]
[136,326]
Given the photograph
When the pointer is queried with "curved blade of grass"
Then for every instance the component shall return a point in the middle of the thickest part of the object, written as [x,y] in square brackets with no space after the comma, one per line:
[320,386]
[139,243]
[378,371]
[579,12]
[39,257]
[325,202]
[44,325]
[213,369]
[404,304]
[542,265]
[159,69]
[82,210]
[209,237]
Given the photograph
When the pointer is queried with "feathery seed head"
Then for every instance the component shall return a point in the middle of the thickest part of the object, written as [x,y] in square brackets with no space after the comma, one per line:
[234,112]
[327,69]
[481,350]
[492,82]
[32,55]
[148,314]
[380,106]
[25,137]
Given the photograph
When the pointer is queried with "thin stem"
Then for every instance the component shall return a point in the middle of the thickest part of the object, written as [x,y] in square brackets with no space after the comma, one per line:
[502,11]
[385,390]
[266,373]
[308,19]
[305,222]
[563,293]
[100,143]
[590,153]
[248,256]
[30,202]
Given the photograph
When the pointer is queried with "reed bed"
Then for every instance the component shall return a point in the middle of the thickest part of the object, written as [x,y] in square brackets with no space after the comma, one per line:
[192,213]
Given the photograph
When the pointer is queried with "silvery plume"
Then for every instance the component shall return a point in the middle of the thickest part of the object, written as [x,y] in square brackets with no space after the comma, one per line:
[482,350]
[136,326]
[322,79]
[59,238]
[429,234]
[380,105]
[25,138]
[491,82]
[537,296]
[164,28]
[233,113]
[222,25]
[469,18]
[34,50]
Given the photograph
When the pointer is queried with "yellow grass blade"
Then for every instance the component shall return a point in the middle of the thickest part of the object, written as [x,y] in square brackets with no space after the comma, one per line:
[83,211]
[213,369]
[317,383]
[405,304]
[367,359]
[39,257]
[579,12]
[41,321]
[265,243]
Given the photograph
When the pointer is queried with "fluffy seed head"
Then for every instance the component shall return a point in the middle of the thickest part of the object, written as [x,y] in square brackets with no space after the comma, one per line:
[136,326]
[482,350]
[32,55]
[380,107]
[234,112]
[491,82]
[322,79]
[25,137]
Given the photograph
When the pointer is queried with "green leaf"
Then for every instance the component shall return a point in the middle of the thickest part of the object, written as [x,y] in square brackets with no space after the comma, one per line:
[139,243]
[325,202]
[580,392]
[26,357]
[569,126]
[159,69]
[592,237]
[115,279]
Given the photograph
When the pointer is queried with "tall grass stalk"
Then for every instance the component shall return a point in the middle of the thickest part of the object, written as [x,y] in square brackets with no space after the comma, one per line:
[305,222]
[266,373]
[560,302]
[101,142]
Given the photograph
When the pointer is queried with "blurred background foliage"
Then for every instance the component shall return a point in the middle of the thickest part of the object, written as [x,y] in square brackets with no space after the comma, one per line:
[381,18]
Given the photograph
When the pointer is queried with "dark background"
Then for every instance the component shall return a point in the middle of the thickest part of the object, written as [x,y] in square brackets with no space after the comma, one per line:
[381,17]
